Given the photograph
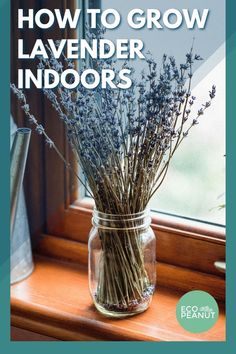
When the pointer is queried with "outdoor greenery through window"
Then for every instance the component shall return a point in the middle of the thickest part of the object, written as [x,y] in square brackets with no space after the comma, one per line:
[195,183]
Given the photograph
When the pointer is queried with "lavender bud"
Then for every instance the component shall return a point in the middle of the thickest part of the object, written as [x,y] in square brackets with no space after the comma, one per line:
[39,129]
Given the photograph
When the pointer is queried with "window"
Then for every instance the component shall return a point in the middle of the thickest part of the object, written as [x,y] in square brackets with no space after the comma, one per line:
[195,183]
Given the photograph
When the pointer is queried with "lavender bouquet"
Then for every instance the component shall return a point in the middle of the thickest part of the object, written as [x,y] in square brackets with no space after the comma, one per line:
[124,141]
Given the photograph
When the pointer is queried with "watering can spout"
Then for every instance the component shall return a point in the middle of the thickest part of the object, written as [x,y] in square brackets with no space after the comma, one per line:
[19,152]
[21,253]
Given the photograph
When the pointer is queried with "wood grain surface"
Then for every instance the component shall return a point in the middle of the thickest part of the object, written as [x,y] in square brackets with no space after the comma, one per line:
[19,335]
[55,301]
[168,275]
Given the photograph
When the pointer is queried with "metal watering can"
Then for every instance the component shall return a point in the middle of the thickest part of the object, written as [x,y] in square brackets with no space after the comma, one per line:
[21,253]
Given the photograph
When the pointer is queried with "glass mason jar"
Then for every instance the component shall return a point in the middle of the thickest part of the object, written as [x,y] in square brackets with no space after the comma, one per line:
[122,263]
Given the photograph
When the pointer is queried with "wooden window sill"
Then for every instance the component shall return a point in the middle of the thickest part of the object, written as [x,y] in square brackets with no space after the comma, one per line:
[55,302]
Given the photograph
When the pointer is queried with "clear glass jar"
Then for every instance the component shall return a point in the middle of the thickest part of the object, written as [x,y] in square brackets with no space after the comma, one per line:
[122,263]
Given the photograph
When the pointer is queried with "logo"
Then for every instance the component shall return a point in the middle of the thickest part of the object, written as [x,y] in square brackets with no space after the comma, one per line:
[197,311]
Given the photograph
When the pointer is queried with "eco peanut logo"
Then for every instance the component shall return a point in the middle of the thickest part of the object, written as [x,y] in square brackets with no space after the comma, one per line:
[197,311]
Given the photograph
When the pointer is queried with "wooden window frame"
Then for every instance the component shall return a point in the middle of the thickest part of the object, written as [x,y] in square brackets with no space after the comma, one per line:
[58,211]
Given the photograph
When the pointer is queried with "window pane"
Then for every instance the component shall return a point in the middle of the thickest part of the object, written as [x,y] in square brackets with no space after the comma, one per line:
[195,184]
